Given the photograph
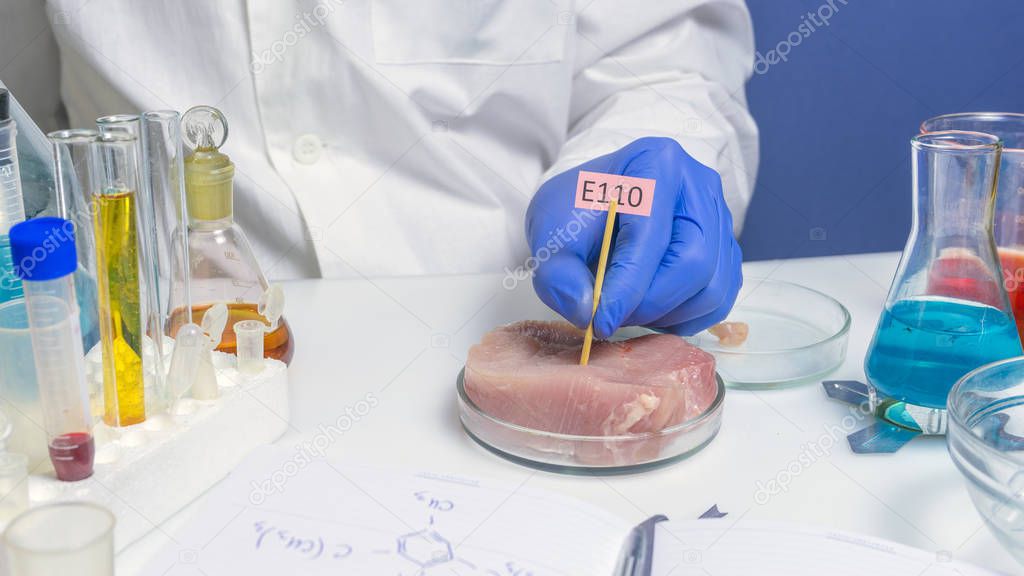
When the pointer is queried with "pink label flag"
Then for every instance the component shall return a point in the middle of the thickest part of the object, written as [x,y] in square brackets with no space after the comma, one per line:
[595,190]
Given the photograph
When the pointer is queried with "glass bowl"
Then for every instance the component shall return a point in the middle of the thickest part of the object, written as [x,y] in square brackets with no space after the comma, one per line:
[796,335]
[986,441]
[575,454]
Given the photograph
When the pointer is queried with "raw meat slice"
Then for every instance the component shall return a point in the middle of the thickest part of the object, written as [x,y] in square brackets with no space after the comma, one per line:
[528,373]
[730,334]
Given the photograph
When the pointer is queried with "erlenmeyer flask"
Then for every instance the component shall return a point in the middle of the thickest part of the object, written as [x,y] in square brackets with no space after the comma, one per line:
[1008,227]
[221,261]
[947,312]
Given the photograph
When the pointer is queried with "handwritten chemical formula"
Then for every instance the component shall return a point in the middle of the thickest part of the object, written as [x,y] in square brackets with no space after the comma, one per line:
[421,550]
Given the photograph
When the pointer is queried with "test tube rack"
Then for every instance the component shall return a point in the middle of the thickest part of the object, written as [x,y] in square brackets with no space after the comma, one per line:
[147,472]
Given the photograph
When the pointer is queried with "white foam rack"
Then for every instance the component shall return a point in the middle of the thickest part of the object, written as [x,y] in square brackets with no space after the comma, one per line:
[147,472]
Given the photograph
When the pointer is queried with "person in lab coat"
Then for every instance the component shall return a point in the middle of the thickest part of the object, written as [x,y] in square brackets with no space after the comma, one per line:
[380,137]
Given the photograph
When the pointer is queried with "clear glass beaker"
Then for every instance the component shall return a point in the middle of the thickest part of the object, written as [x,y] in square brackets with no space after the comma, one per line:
[60,539]
[947,312]
[1008,226]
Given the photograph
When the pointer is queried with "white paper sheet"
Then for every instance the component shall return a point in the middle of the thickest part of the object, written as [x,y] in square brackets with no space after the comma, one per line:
[729,547]
[277,515]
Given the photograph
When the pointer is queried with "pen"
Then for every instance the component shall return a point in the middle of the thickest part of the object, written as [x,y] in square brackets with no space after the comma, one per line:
[636,558]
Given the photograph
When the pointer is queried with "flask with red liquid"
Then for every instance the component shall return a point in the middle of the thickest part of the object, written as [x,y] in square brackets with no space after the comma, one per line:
[1008,223]
[45,259]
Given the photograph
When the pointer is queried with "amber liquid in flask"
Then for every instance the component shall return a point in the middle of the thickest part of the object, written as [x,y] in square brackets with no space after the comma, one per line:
[277,343]
[117,256]
[222,265]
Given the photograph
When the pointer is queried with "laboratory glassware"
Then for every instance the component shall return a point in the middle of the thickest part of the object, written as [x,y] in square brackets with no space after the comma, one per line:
[149,236]
[986,410]
[581,454]
[223,266]
[12,207]
[45,260]
[796,335]
[19,394]
[35,163]
[163,184]
[73,175]
[61,539]
[1008,227]
[116,221]
[947,311]
[163,177]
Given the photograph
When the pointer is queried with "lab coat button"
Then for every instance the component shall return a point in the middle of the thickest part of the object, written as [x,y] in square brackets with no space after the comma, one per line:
[307,148]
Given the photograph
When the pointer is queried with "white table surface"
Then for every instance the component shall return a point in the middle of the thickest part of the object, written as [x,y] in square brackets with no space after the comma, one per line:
[403,340]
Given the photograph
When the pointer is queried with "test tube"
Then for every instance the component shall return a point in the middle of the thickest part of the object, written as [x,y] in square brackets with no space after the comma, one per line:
[73,174]
[12,207]
[163,182]
[45,259]
[155,133]
[116,222]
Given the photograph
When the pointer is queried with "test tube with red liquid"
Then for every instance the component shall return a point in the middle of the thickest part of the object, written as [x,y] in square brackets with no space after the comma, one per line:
[43,250]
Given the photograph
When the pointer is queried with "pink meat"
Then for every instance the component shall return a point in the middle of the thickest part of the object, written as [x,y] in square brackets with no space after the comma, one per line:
[528,373]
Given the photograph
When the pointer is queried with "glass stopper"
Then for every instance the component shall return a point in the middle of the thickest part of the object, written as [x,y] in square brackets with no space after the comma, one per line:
[204,128]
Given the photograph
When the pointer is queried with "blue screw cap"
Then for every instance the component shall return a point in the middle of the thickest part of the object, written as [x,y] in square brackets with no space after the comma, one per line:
[43,248]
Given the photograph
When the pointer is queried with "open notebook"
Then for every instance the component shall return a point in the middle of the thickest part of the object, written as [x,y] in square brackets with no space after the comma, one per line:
[280,513]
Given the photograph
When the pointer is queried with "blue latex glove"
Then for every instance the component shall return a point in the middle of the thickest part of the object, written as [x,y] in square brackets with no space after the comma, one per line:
[677,269]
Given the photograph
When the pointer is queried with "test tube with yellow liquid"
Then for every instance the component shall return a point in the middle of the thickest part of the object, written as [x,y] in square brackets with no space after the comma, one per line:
[116,226]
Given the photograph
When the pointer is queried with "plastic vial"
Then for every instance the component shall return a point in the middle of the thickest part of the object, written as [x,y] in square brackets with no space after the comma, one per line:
[249,334]
[64,538]
[45,260]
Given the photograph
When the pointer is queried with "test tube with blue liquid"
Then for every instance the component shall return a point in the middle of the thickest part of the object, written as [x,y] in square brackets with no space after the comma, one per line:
[45,259]
[12,207]
[947,312]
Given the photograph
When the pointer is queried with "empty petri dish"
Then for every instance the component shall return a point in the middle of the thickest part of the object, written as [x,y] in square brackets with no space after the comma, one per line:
[796,335]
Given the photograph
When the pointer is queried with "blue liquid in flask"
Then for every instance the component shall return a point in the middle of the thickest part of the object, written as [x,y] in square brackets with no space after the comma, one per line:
[924,345]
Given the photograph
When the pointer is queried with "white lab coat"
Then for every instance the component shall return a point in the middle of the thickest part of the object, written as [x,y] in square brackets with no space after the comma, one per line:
[381,137]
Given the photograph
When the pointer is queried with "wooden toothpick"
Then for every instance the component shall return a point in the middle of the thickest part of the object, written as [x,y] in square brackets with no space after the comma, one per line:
[602,263]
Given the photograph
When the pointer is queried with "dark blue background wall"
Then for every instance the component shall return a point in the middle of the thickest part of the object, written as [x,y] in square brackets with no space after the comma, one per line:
[837,116]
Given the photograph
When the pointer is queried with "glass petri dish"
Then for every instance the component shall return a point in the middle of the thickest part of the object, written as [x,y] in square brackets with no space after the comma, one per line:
[796,335]
[589,455]
[986,442]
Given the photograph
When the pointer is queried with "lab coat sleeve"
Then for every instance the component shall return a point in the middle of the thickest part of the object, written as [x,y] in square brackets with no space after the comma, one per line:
[675,69]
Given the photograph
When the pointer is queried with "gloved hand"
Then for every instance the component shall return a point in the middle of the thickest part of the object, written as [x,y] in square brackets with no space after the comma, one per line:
[677,269]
